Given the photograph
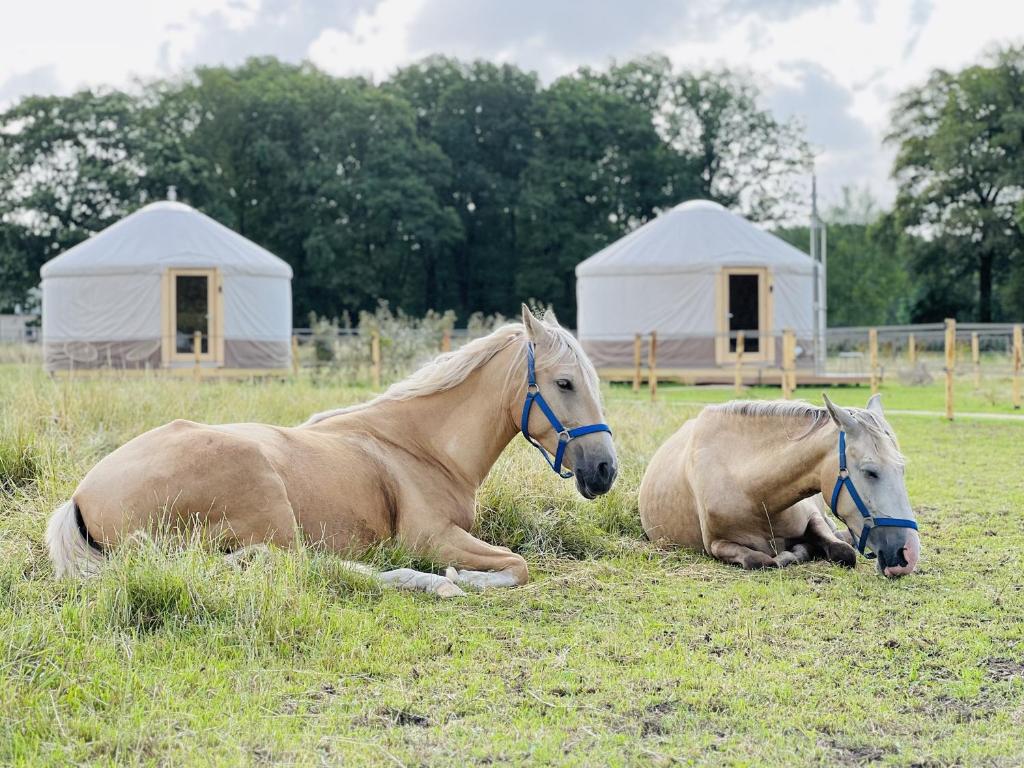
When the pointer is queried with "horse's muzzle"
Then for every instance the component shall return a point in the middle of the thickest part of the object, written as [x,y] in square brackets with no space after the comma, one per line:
[594,470]
[596,481]
[898,551]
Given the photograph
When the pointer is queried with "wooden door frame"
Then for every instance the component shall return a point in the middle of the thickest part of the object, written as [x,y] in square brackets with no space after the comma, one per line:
[766,353]
[215,301]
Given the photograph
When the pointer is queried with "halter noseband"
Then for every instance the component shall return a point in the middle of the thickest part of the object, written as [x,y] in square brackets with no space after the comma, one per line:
[879,522]
[565,436]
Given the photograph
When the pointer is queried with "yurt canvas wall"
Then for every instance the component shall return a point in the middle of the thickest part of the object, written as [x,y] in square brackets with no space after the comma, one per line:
[696,275]
[134,295]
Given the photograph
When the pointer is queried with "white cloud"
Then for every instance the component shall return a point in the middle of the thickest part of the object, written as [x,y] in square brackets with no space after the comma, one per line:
[376,45]
[870,50]
[91,43]
[865,53]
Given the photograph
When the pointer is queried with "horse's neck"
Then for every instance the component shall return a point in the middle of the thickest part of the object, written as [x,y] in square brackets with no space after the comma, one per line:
[782,470]
[463,429]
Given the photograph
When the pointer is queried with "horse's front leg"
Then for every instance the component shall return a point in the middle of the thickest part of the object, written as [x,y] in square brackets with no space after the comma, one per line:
[743,556]
[836,545]
[797,553]
[476,563]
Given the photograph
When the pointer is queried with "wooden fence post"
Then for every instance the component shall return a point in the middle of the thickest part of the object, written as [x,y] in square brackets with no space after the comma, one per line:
[950,364]
[873,358]
[912,349]
[446,341]
[1018,362]
[375,359]
[197,351]
[788,363]
[740,348]
[976,358]
[638,341]
[295,355]
[652,364]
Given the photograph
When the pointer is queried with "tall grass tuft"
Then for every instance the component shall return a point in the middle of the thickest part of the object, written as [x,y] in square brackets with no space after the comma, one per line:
[147,586]
[20,463]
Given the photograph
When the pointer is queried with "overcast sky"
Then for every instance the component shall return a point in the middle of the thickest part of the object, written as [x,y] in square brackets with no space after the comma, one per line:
[836,64]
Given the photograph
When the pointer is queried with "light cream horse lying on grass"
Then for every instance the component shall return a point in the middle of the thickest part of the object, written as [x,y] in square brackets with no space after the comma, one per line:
[405,465]
[741,482]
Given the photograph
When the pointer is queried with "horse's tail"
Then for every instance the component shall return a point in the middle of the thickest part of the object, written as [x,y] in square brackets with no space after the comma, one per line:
[71,552]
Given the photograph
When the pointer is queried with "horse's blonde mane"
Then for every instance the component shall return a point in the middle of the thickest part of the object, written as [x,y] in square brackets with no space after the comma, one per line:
[876,426]
[450,369]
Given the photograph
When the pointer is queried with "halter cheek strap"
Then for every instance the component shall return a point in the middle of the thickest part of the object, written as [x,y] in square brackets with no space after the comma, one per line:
[565,436]
[870,522]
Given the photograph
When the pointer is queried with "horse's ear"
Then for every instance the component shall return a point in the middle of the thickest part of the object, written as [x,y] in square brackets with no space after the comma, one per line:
[534,328]
[550,319]
[840,416]
[875,405]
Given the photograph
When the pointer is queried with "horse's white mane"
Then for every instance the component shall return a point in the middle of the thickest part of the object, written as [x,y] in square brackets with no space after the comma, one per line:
[876,426]
[450,369]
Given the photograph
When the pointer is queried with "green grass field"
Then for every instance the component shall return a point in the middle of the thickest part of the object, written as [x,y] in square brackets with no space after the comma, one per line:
[617,653]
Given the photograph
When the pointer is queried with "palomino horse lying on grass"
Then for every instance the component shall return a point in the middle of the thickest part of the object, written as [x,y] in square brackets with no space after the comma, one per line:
[405,465]
[737,481]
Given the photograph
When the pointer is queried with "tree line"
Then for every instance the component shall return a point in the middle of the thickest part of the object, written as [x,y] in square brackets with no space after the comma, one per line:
[471,185]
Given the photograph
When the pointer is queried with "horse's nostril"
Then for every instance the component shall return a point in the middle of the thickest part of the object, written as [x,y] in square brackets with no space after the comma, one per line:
[604,471]
[901,558]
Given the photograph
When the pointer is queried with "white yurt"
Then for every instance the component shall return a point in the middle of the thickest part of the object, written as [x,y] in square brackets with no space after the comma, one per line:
[696,274]
[134,296]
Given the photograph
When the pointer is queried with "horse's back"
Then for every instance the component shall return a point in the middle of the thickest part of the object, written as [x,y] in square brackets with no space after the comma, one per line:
[247,482]
[180,471]
[668,509]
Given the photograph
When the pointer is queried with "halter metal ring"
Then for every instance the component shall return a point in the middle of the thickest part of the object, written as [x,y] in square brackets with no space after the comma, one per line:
[564,436]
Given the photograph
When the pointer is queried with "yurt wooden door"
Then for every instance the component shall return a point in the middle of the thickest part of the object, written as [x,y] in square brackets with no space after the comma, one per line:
[744,304]
[193,303]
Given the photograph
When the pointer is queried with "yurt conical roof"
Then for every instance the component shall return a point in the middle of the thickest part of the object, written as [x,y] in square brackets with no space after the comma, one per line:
[691,237]
[164,235]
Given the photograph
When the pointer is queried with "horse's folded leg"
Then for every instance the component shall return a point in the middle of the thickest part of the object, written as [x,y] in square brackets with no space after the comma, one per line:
[476,562]
[841,553]
[407,578]
[845,536]
[799,553]
[482,579]
[745,557]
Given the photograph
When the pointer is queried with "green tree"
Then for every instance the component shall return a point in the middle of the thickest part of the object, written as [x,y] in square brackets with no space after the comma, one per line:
[594,176]
[68,167]
[379,229]
[867,275]
[727,147]
[479,114]
[959,167]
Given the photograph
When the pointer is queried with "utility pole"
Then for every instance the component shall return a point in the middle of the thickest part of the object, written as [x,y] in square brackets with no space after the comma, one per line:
[819,248]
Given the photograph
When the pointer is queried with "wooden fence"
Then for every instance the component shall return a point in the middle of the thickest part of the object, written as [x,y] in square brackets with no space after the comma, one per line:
[972,349]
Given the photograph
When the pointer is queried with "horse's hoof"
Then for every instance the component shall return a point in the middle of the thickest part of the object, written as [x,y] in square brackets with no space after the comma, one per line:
[759,563]
[841,553]
[448,588]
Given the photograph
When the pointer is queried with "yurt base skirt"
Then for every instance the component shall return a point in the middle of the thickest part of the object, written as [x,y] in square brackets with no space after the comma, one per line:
[143,354]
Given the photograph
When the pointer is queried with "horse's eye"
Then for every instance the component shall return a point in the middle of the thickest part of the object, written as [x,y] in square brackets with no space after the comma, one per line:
[871,474]
[564,384]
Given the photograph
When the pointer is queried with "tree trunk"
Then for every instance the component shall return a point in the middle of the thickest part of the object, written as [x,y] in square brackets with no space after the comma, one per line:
[430,292]
[985,286]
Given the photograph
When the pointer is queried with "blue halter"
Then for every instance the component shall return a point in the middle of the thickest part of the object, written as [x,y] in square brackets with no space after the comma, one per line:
[565,436]
[881,522]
